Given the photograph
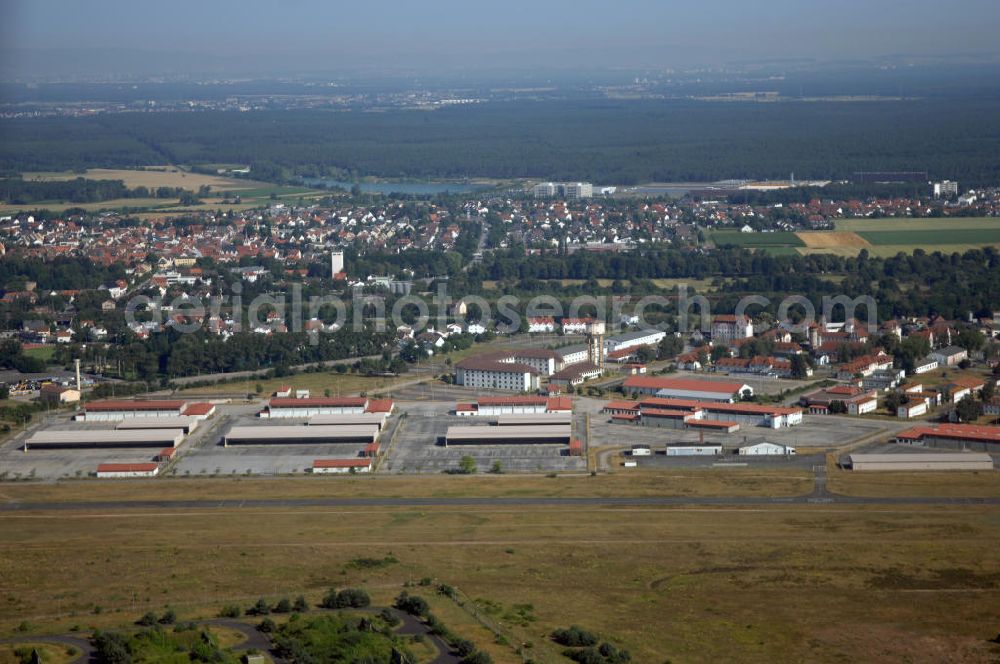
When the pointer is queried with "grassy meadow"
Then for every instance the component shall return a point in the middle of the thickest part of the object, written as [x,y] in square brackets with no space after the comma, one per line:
[782,583]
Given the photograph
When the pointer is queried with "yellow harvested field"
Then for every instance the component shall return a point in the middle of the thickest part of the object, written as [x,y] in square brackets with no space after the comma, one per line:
[91,207]
[152,176]
[832,239]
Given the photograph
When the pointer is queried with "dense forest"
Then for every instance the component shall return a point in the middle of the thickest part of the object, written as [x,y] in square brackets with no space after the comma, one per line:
[605,141]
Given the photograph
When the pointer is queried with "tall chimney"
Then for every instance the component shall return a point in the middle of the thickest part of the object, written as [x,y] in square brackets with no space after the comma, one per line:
[79,386]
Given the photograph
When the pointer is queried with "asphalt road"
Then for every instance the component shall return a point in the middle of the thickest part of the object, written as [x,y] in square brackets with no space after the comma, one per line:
[817,497]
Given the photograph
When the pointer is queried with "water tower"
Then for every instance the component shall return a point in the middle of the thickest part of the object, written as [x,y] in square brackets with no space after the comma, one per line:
[595,343]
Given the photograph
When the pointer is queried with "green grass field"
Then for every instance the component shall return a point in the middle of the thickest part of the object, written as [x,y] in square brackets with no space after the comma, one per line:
[767,241]
[45,353]
[895,224]
[929,239]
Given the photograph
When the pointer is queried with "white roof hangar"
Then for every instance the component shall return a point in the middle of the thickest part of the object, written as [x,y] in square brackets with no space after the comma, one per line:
[293,434]
[159,438]
[508,435]
[921,461]
[185,424]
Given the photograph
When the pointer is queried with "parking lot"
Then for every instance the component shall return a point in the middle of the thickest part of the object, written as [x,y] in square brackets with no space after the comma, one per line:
[208,456]
[52,464]
[418,447]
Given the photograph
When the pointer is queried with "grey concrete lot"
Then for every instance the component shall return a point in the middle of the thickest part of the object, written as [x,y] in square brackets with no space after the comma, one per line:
[52,464]
[204,454]
[418,447]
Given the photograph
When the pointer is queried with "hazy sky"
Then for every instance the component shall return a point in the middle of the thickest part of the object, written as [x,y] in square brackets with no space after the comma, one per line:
[471,34]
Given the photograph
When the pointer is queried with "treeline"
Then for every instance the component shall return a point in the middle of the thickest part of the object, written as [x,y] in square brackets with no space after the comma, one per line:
[64,273]
[175,355]
[18,191]
[648,264]
[951,285]
[604,141]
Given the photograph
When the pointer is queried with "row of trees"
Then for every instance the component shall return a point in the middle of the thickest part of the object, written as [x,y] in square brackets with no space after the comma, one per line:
[18,191]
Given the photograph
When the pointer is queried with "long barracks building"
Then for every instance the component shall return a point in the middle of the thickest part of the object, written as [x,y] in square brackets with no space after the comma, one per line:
[303,408]
[953,437]
[659,411]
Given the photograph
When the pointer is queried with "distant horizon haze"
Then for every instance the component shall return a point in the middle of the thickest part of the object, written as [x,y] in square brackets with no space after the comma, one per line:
[224,37]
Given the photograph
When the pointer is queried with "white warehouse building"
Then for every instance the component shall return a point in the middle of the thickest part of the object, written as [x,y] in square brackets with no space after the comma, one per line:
[633,340]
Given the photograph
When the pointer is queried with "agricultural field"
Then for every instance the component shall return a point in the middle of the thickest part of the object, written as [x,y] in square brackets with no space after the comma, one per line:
[888,237]
[953,223]
[151,177]
[880,237]
[768,241]
[776,583]
[252,193]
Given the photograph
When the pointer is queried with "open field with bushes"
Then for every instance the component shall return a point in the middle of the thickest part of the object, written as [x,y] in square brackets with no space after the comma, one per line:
[251,192]
[780,583]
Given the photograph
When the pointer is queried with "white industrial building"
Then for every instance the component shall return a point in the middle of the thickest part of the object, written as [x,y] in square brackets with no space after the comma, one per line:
[921,461]
[633,340]
[126,470]
[765,448]
[185,424]
[371,419]
[687,388]
[295,434]
[694,449]
[568,190]
[508,435]
[526,405]
[332,466]
[159,438]
[111,411]
[305,408]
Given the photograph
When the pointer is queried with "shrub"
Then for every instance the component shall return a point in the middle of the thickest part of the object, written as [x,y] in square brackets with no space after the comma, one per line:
[267,626]
[261,608]
[412,604]
[605,654]
[230,611]
[111,648]
[169,617]
[390,618]
[300,605]
[353,598]
[574,637]
[284,605]
[147,620]
[479,657]
[463,647]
